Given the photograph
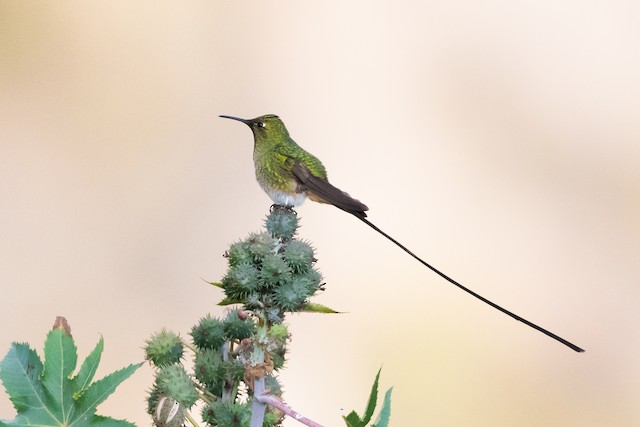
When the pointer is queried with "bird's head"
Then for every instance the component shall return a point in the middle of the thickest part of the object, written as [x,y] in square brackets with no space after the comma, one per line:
[265,128]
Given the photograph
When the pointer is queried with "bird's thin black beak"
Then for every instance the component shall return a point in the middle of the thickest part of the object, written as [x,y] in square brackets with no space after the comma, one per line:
[245,121]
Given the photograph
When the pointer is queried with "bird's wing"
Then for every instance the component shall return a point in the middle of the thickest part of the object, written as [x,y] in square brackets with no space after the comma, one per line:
[327,193]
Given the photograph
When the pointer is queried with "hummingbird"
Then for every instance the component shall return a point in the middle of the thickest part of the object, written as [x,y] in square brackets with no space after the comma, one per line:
[289,174]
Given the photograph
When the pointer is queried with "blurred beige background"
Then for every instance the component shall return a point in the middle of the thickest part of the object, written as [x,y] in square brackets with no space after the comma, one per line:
[498,140]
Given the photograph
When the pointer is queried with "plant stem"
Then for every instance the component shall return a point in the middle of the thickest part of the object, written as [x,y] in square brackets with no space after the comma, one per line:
[189,346]
[205,394]
[267,398]
[191,420]
[258,408]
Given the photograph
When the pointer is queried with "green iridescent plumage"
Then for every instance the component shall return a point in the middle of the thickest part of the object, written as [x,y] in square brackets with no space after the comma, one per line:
[287,172]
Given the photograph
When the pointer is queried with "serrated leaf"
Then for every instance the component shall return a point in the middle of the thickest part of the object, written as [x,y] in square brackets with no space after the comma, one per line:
[373,398]
[312,307]
[88,369]
[98,392]
[60,361]
[42,393]
[229,301]
[353,420]
[99,421]
[385,412]
[20,371]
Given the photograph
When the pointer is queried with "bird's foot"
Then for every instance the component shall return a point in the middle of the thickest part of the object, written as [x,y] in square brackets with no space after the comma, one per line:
[286,208]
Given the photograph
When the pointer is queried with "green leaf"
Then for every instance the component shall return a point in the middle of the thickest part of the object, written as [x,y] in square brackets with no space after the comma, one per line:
[371,404]
[60,362]
[385,412]
[353,420]
[311,307]
[99,421]
[100,390]
[216,284]
[88,369]
[46,394]
[230,301]
[20,373]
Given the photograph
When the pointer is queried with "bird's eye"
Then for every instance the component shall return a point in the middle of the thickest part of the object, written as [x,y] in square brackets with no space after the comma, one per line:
[260,124]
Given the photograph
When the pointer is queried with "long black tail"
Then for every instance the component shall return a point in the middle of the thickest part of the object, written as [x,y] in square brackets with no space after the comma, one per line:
[574,347]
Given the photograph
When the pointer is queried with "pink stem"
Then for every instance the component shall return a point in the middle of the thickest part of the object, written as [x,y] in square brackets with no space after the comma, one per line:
[277,403]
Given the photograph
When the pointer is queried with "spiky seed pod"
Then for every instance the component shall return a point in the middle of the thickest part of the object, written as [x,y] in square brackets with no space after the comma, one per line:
[309,280]
[274,272]
[209,370]
[239,253]
[272,418]
[278,357]
[237,329]
[233,370]
[274,315]
[207,414]
[152,399]
[173,381]
[208,333]
[299,255]
[227,414]
[291,296]
[272,384]
[169,413]
[260,245]
[279,333]
[253,302]
[267,299]
[164,348]
[232,290]
[240,280]
[282,223]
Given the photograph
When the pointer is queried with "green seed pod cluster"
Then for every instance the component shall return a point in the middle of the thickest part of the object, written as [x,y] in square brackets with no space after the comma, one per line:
[272,272]
[211,333]
[164,348]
